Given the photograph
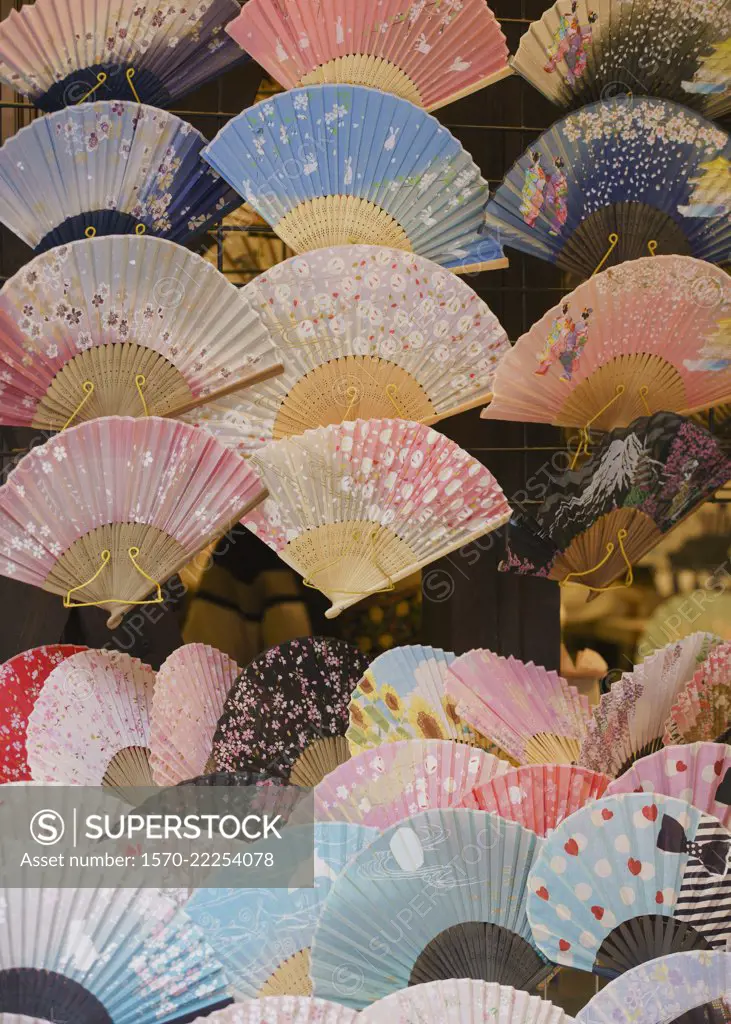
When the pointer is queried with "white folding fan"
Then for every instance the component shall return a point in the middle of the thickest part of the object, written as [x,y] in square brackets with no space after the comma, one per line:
[282,1010]
[357,507]
[106,512]
[463,1001]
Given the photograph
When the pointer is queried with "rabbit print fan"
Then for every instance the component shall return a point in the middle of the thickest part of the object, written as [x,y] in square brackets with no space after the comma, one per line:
[356,508]
[338,165]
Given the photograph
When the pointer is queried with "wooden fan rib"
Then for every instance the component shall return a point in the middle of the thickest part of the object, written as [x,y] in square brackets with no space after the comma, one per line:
[590,547]
[340,220]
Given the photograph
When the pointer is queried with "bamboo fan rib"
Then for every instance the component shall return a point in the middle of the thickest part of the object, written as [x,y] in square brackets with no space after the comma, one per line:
[703,708]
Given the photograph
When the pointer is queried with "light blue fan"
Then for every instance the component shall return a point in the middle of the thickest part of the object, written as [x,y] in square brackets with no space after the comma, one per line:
[338,164]
[440,896]
[262,936]
[618,180]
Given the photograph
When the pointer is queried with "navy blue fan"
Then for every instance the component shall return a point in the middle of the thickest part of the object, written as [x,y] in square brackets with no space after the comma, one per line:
[108,169]
[618,180]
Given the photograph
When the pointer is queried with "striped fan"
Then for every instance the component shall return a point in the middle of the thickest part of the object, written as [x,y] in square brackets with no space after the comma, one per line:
[59,53]
[358,507]
[430,56]
[463,1002]
[702,710]
[282,1010]
[607,184]
[142,172]
[124,325]
[532,713]
[585,50]
[106,512]
[190,691]
[300,160]
[636,339]
[366,332]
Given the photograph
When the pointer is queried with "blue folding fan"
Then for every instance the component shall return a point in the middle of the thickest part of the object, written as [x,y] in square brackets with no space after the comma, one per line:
[340,164]
[441,895]
[618,180]
[108,169]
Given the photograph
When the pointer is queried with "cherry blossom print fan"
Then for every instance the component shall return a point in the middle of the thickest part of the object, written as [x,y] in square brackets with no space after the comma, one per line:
[190,692]
[21,680]
[537,796]
[59,54]
[702,710]
[583,50]
[635,339]
[356,508]
[108,511]
[430,55]
[283,1010]
[365,332]
[531,713]
[628,722]
[629,878]
[607,184]
[463,1001]
[388,784]
[288,710]
[108,169]
[336,165]
[124,325]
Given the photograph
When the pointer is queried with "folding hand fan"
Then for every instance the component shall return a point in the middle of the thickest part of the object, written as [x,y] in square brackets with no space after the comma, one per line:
[531,713]
[289,710]
[629,878]
[21,680]
[300,160]
[366,332]
[123,325]
[702,710]
[601,519]
[263,936]
[538,796]
[581,51]
[463,1002]
[629,342]
[431,56]
[106,512]
[283,1010]
[712,80]
[387,784]
[699,773]
[605,185]
[190,691]
[108,169]
[628,722]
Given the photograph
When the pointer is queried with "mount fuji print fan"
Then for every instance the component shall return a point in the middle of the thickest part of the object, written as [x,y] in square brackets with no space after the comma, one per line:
[476,926]
[366,332]
[702,710]
[607,184]
[356,508]
[431,55]
[123,325]
[630,878]
[288,710]
[337,165]
[581,51]
[463,1001]
[108,511]
[635,339]
[59,54]
[283,1010]
[108,169]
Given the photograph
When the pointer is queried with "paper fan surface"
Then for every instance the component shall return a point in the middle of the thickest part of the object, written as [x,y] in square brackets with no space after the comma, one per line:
[288,710]
[463,1001]
[537,796]
[623,167]
[702,710]
[629,878]
[699,773]
[365,332]
[111,169]
[385,785]
[282,1010]
[475,927]
[430,56]
[263,936]
[301,161]
[56,52]
[190,692]
[108,511]
[531,713]
[635,339]
[356,508]
[712,80]
[585,50]
[628,722]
